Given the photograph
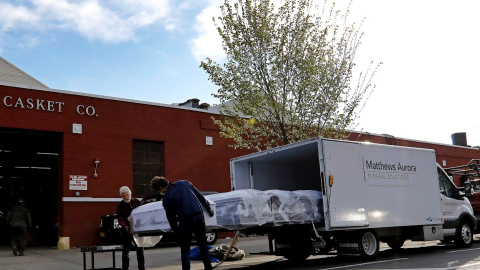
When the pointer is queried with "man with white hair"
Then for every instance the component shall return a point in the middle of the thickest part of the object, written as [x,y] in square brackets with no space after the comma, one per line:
[124,210]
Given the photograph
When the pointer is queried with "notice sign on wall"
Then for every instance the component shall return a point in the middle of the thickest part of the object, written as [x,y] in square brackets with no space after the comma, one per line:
[78,182]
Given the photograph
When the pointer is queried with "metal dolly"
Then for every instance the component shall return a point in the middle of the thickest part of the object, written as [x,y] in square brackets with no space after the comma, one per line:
[97,249]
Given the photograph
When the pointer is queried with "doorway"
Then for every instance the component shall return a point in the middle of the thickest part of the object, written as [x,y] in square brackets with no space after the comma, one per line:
[29,170]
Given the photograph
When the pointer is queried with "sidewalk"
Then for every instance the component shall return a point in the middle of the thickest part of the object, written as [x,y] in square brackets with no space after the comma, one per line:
[42,258]
[162,258]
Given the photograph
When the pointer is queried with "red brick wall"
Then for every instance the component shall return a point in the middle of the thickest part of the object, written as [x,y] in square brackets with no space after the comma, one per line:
[81,219]
[108,135]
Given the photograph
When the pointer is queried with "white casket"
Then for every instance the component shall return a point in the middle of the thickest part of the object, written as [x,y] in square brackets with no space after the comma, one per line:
[152,218]
[242,209]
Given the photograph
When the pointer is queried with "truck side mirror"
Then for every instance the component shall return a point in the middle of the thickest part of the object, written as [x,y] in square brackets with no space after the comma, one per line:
[468,189]
[461,192]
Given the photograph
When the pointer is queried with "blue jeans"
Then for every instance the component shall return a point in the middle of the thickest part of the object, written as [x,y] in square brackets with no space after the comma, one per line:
[195,226]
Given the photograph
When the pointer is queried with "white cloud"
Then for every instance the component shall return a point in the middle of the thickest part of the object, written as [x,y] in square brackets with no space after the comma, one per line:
[88,18]
[208,42]
[170,26]
[146,12]
[12,17]
[104,20]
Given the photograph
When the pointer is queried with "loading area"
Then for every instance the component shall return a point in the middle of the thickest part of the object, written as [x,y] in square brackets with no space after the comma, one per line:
[29,170]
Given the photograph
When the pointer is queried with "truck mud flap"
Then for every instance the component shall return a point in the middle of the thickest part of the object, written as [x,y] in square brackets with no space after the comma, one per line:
[350,248]
[429,233]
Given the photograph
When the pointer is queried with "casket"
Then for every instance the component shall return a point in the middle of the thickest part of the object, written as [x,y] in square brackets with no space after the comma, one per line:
[242,209]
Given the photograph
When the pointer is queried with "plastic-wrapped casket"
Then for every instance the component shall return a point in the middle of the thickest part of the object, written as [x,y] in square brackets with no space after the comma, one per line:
[151,217]
[296,207]
[242,209]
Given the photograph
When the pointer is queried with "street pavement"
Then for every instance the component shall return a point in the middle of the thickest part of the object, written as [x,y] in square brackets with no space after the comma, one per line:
[165,257]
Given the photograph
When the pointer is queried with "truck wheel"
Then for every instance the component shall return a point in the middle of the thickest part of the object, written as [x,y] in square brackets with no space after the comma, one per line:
[211,237]
[464,235]
[369,245]
[395,243]
[294,246]
[297,255]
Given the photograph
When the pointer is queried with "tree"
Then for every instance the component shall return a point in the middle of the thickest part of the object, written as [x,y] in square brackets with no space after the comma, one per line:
[288,73]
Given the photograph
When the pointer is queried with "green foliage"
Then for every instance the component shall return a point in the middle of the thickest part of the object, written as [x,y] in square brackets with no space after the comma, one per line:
[288,71]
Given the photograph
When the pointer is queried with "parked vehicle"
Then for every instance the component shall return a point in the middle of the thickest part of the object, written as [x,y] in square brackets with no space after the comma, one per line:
[110,232]
[475,185]
[469,176]
[371,193]
[474,197]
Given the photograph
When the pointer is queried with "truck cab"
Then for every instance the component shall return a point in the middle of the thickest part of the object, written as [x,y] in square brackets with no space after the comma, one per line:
[459,220]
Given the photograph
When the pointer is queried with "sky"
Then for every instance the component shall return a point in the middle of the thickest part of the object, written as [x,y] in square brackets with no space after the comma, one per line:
[426,88]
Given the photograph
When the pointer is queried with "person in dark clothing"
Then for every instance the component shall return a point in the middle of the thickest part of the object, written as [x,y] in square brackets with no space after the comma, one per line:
[124,209]
[183,206]
[20,222]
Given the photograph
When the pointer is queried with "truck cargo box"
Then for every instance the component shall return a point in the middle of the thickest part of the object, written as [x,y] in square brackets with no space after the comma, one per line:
[363,185]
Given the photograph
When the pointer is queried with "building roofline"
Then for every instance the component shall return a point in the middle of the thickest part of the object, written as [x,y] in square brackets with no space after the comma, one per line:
[68,92]
[176,106]
[24,73]
[413,140]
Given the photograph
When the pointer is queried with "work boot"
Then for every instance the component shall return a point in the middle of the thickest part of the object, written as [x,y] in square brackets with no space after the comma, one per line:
[21,253]
[14,249]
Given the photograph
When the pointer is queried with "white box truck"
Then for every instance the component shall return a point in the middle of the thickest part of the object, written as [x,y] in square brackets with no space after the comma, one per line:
[370,193]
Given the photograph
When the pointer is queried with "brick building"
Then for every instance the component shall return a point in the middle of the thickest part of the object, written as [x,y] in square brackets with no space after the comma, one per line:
[67,154]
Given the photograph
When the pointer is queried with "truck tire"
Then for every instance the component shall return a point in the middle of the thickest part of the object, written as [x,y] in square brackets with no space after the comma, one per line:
[294,246]
[464,235]
[395,243]
[297,255]
[369,245]
[211,237]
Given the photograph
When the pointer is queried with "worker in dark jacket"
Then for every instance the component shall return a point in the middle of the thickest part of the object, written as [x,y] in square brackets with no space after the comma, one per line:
[124,209]
[20,222]
[184,206]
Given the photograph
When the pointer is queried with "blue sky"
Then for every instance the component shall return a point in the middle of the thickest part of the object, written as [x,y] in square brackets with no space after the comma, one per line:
[426,89]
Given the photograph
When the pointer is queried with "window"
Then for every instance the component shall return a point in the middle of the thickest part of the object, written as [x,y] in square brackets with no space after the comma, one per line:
[446,186]
[148,161]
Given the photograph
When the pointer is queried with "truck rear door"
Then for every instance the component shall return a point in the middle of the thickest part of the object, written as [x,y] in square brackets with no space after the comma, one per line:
[344,177]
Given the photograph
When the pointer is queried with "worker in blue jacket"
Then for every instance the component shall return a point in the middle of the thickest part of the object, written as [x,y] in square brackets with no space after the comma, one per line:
[184,206]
